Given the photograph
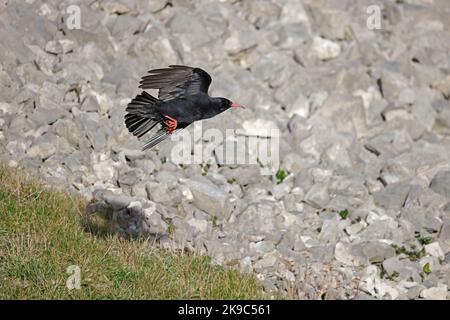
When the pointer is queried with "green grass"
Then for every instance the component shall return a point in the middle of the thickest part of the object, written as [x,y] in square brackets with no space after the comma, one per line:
[281,175]
[343,214]
[42,233]
[413,255]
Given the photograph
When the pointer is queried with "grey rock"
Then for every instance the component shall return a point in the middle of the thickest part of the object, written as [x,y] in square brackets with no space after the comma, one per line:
[441,183]
[378,251]
[242,175]
[443,85]
[392,265]
[258,219]
[238,41]
[392,196]
[68,130]
[318,196]
[333,23]
[435,293]
[299,107]
[17,148]
[104,170]
[289,94]
[90,123]
[158,192]
[148,166]
[43,150]
[153,222]
[209,198]
[330,231]
[262,13]
[325,49]
[115,7]
[130,177]
[414,292]
[323,254]
[269,260]
[444,237]
[116,201]
[90,104]
[434,250]
[393,82]
[261,247]
[200,226]
[351,255]
[407,96]
[47,112]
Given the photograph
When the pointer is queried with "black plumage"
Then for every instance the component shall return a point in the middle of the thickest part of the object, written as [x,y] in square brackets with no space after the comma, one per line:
[182,99]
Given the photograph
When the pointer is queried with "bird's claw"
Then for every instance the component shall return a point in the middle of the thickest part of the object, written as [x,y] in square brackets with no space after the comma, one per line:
[171,124]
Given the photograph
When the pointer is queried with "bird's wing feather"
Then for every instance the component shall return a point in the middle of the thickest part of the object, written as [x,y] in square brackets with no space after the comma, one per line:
[177,81]
[159,136]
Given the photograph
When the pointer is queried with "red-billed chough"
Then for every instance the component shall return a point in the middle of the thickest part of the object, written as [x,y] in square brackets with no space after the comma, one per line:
[182,99]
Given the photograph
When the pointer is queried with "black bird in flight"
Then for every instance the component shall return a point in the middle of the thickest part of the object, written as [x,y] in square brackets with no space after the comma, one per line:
[182,99]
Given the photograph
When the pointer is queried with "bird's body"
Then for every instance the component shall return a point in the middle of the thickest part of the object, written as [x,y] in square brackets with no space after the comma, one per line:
[182,99]
[190,109]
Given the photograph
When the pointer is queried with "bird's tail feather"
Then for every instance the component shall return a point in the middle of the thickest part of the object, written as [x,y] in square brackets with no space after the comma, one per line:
[141,117]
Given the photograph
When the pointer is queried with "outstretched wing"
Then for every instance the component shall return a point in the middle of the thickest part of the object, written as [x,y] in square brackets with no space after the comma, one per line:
[176,81]
[159,136]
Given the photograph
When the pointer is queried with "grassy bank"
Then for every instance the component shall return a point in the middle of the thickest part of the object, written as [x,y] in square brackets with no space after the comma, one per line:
[42,235]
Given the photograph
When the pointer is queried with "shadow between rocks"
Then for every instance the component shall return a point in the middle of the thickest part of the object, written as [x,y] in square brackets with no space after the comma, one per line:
[113,214]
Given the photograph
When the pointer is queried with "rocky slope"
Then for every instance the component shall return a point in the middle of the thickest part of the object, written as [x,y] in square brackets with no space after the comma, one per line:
[364,116]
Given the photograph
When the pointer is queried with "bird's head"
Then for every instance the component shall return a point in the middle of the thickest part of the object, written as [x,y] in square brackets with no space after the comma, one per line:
[225,104]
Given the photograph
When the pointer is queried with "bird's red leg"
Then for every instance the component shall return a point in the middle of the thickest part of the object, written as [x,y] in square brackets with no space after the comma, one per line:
[171,124]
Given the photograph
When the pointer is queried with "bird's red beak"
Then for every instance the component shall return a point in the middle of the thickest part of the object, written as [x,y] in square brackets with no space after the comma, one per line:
[236,105]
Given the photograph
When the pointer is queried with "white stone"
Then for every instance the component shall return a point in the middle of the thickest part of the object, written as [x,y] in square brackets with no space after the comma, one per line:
[434,249]
[104,101]
[186,192]
[210,198]
[355,228]
[104,170]
[198,224]
[435,293]
[135,204]
[299,107]
[325,49]
[43,150]
[343,255]
[150,210]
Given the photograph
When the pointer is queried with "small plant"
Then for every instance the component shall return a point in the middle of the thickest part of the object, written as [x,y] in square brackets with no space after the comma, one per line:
[393,276]
[426,268]
[214,221]
[384,274]
[205,169]
[170,226]
[343,214]
[281,175]
[425,240]
[383,271]
[412,255]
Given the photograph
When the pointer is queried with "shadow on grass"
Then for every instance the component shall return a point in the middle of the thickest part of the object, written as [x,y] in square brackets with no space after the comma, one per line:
[95,225]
